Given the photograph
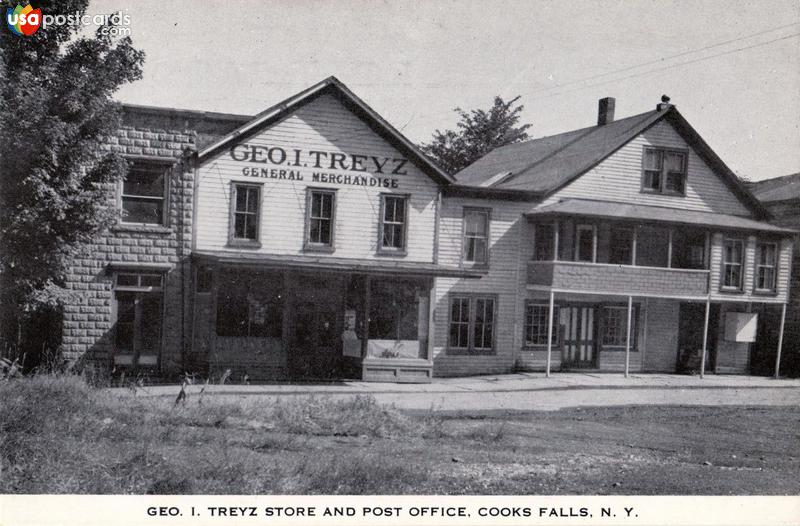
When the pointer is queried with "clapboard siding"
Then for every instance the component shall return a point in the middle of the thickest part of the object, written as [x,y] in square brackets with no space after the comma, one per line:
[506,279]
[322,125]
[618,178]
[785,248]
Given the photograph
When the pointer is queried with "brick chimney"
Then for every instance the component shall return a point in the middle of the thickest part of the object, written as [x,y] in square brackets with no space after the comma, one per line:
[605,111]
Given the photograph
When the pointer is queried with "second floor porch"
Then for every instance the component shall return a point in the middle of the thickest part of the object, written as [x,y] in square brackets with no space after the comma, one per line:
[595,246]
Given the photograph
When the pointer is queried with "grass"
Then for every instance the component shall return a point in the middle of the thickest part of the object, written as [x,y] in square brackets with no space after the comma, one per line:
[57,435]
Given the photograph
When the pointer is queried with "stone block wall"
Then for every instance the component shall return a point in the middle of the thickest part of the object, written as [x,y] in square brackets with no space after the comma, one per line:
[90,315]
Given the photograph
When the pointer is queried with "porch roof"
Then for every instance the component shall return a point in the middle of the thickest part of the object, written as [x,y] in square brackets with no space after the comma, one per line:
[622,211]
[333,264]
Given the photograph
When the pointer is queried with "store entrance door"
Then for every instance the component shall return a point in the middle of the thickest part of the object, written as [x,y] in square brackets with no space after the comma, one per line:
[317,315]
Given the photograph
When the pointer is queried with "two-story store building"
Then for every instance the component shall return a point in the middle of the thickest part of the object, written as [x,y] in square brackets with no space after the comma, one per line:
[314,241]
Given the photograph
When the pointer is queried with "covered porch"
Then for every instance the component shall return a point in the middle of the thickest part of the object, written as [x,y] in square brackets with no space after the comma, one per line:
[568,330]
[261,318]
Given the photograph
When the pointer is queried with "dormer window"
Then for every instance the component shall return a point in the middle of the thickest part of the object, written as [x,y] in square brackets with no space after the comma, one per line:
[664,171]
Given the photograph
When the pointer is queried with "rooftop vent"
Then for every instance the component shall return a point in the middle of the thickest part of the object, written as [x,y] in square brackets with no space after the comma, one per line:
[664,104]
[605,111]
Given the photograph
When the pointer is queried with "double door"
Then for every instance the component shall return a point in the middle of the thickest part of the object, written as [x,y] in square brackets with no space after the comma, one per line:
[579,330]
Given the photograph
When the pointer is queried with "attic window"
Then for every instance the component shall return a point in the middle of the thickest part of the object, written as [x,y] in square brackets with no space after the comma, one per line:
[664,171]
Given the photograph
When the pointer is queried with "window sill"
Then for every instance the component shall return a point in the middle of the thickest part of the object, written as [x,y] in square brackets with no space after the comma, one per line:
[243,243]
[141,227]
[616,348]
[475,266]
[540,347]
[321,249]
[659,192]
[765,292]
[470,352]
[731,290]
[384,252]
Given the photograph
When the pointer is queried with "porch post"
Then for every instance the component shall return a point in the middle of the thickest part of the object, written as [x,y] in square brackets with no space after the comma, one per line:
[556,240]
[550,331]
[628,338]
[705,339]
[780,341]
[365,339]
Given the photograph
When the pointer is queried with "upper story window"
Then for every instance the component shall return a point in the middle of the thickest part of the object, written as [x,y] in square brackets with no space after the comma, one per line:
[664,171]
[144,192]
[732,263]
[245,213]
[544,242]
[766,265]
[394,223]
[585,243]
[476,236]
[620,249]
[689,249]
[320,219]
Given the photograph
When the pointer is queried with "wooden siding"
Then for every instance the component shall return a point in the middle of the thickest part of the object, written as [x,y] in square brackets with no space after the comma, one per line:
[322,125]
[618,178]
[750,242]
[508,253]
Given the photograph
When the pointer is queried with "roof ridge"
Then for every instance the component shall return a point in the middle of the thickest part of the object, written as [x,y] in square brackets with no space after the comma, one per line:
[640,122]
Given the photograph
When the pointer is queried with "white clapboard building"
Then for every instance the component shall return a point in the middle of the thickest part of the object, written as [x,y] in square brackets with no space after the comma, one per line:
[313,240]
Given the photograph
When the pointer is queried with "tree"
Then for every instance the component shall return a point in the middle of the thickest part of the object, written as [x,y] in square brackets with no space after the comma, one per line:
[55,112]
[478,132]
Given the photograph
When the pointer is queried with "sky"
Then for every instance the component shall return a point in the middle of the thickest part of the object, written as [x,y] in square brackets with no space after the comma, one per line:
[731,67]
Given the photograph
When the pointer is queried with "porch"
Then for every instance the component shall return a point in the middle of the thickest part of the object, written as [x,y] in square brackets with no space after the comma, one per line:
[312,319]
[571,330]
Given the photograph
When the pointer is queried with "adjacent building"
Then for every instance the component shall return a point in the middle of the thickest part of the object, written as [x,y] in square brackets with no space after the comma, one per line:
[315,241]
[781,195]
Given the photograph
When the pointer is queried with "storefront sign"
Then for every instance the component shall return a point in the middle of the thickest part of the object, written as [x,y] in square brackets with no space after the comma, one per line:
[377,170]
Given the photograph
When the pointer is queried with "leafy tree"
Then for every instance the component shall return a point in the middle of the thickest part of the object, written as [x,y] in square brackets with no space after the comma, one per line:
[477,133]
[55,111]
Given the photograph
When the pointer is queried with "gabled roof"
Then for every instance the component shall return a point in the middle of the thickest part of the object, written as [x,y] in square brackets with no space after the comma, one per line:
[547,164]
[331,86]
[646,213]
[782,188]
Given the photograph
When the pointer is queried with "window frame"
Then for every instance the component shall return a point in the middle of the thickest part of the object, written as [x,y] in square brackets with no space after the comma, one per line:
[552,246]
[663,173]
[168,167]
[472,299]
[308,245]
[616,227]
[634,347]
[556,324]
[757,267]
[241,241]
[488,235]
[577,241]
[199,271]
[393,251]
[733,288]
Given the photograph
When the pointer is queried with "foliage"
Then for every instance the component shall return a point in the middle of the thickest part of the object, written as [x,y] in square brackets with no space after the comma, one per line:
[55,111]
[477,133]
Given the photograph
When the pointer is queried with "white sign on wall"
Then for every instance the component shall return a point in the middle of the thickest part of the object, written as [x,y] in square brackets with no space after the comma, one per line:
[741,326]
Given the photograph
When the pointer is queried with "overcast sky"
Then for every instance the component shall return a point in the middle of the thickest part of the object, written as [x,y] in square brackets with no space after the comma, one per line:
[413,62]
